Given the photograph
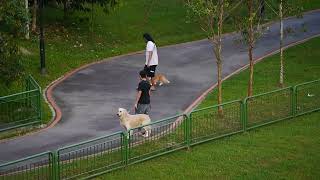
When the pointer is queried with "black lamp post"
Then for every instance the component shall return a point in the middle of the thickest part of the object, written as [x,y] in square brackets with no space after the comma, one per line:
[42,48]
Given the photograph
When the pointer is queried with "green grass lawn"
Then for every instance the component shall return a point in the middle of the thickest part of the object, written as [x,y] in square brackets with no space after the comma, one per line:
[286,150]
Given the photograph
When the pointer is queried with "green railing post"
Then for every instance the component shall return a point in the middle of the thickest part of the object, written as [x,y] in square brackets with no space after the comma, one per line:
[187,130]
[28,101]
[28,83]
[244,114]
[294,101]
[125,147]
[56,165]
[39,105]
[53,168]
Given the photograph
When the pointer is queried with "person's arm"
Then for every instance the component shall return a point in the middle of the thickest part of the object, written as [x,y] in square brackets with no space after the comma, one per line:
[150,47]
[137,99]
[149,58]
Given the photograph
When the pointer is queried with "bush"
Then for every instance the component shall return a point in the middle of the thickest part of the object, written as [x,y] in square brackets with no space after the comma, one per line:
[11,68]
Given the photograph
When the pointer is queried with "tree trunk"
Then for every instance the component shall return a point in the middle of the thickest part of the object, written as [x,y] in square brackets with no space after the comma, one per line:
[27,35]
[219,69]
[250,43]
[281,46]
[218,56]
[262,9]
[250,85]
[65,9]
[92,14]
[34,16]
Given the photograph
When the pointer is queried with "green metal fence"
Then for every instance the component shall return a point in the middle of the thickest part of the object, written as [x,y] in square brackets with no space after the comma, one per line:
[104,154]
[39,166]
[307,97]
[91,157]
[216,121]
[21,109]
[164,136]
[269,107]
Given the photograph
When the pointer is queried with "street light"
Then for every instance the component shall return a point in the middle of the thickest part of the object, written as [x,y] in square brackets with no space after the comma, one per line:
[42,48]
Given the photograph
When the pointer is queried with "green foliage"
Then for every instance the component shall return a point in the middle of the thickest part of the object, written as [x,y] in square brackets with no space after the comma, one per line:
[13,20]
[13,16]
[10,65]
[242,23]
[82,5]
[207,13]
[290,8]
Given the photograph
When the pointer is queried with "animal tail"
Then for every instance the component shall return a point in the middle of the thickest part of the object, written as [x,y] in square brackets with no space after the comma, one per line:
[165,80]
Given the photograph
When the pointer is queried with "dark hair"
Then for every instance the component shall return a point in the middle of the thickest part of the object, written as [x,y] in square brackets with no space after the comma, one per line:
[143,74]
[148,37]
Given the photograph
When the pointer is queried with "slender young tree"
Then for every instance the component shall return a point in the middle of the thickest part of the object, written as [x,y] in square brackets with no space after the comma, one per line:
[281,44]
[210,15]
[27,35]
[251,15]
[250,29]
[285,8]
[34,16]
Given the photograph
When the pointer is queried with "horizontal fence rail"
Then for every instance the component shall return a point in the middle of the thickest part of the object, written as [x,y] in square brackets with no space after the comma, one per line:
[94,157]
[21,109]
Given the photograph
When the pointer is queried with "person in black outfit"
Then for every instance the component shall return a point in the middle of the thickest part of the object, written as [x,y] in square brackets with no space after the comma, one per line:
[152,59]
[142,103]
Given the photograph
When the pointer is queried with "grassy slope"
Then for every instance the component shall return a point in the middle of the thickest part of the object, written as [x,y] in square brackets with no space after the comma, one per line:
[301,65]
[286,150]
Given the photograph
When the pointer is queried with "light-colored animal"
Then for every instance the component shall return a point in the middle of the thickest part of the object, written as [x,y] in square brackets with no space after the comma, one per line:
[160,78]
[133,121]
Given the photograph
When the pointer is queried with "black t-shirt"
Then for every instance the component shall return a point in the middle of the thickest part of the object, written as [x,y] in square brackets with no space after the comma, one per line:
[144,87]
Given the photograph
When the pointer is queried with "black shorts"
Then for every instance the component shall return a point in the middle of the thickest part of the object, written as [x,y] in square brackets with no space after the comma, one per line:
[151,70]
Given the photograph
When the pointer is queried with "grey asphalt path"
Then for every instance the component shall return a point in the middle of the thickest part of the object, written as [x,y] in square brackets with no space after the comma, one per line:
[89,99]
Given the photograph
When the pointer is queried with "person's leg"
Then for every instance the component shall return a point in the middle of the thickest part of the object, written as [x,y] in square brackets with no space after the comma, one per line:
[142,109]
[152,73]
[147,109]
[147,70]
[139,109]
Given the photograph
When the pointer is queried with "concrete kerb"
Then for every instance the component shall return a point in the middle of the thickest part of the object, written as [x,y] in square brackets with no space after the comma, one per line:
[57,114]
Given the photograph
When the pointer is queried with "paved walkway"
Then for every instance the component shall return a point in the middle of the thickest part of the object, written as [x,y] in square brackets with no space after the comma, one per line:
[89,99]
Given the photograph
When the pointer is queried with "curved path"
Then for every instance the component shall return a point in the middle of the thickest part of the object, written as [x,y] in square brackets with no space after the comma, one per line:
[90,97]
